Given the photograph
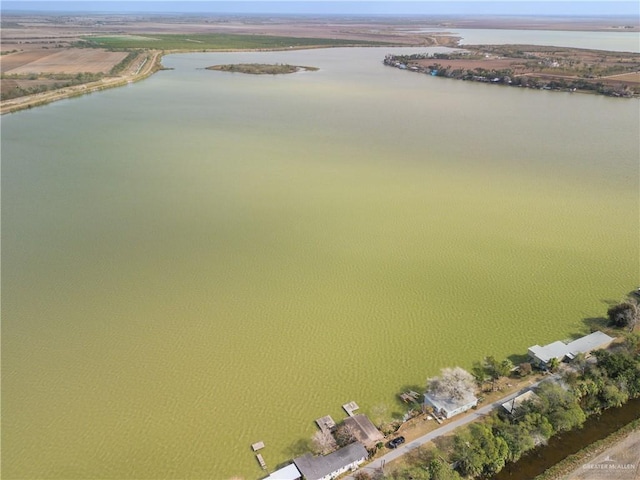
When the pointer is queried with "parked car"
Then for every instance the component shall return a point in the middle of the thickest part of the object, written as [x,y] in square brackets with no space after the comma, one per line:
[396,442]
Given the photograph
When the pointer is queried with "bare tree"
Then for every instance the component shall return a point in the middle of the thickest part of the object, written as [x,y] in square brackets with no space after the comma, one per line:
[345,435]
[452,383]
[323,442]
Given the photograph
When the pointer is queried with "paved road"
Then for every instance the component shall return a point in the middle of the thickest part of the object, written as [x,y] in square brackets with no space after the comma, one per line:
[377,464]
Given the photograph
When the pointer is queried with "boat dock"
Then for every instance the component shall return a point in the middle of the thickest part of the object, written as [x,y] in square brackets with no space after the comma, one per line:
[410,396]
[257,446]
[350,408]
[326,424]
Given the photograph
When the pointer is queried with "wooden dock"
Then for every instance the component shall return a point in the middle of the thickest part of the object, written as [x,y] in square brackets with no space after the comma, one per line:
[326,424]
[257,446]
[350,408]
[261,461]
[410,396]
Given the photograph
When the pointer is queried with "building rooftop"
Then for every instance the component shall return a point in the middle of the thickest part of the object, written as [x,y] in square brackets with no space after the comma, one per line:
[290,472]
[560,349]
[553,350]
[364,430]
[449,404]
[588,343]
[315,468]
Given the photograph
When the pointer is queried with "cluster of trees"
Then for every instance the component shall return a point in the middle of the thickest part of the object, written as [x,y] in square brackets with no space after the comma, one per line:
[610,382]
[124,63]
[624,315]
[324,442]
[484,448]
[39,85]
[424,464]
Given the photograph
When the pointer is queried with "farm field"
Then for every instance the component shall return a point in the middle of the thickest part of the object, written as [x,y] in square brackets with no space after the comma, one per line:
[66,61]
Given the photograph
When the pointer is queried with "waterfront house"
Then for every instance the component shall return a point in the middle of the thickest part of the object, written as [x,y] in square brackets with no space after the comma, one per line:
[449,407]
[328,467]
[541,356]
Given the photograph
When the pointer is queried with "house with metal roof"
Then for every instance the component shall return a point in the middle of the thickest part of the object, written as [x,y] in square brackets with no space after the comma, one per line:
[448,406]
[328,467]
[560,350]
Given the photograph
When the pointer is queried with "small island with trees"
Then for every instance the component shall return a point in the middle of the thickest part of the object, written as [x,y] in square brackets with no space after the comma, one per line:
[261,68]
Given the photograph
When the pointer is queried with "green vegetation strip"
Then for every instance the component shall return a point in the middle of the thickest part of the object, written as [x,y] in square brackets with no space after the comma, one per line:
[572,462]
[216,41]
[261,68]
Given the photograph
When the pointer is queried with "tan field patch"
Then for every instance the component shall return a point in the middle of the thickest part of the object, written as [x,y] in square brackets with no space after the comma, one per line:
[72,61]
[627,77]
[16,60]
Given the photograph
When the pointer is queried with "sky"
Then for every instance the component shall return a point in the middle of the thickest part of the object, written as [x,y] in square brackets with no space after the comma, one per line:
[380,7]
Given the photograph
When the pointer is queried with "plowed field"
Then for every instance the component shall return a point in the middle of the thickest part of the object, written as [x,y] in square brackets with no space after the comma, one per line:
[70,61]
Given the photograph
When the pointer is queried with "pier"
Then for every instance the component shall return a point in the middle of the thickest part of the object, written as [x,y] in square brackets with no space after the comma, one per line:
[257,446]
[350,408]
[326,424]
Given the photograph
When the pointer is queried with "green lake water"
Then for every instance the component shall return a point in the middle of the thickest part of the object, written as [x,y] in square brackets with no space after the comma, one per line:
[203,260]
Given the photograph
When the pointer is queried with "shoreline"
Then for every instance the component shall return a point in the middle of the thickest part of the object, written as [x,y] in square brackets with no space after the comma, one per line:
[151,66]
[154,64]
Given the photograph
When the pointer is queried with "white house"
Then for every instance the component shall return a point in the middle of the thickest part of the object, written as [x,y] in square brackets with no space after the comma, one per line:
[560,350]
[330,466]
[448,407]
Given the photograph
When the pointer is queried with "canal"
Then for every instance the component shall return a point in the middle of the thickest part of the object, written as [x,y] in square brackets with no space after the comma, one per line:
[560,447]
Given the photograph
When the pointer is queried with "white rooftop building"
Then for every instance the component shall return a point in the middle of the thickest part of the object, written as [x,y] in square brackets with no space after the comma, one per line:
[560,350]
[290,472]
[448,407]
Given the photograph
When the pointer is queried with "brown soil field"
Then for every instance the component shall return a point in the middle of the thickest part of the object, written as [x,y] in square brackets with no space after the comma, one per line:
[626,77]
[16,60]
[72,61]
